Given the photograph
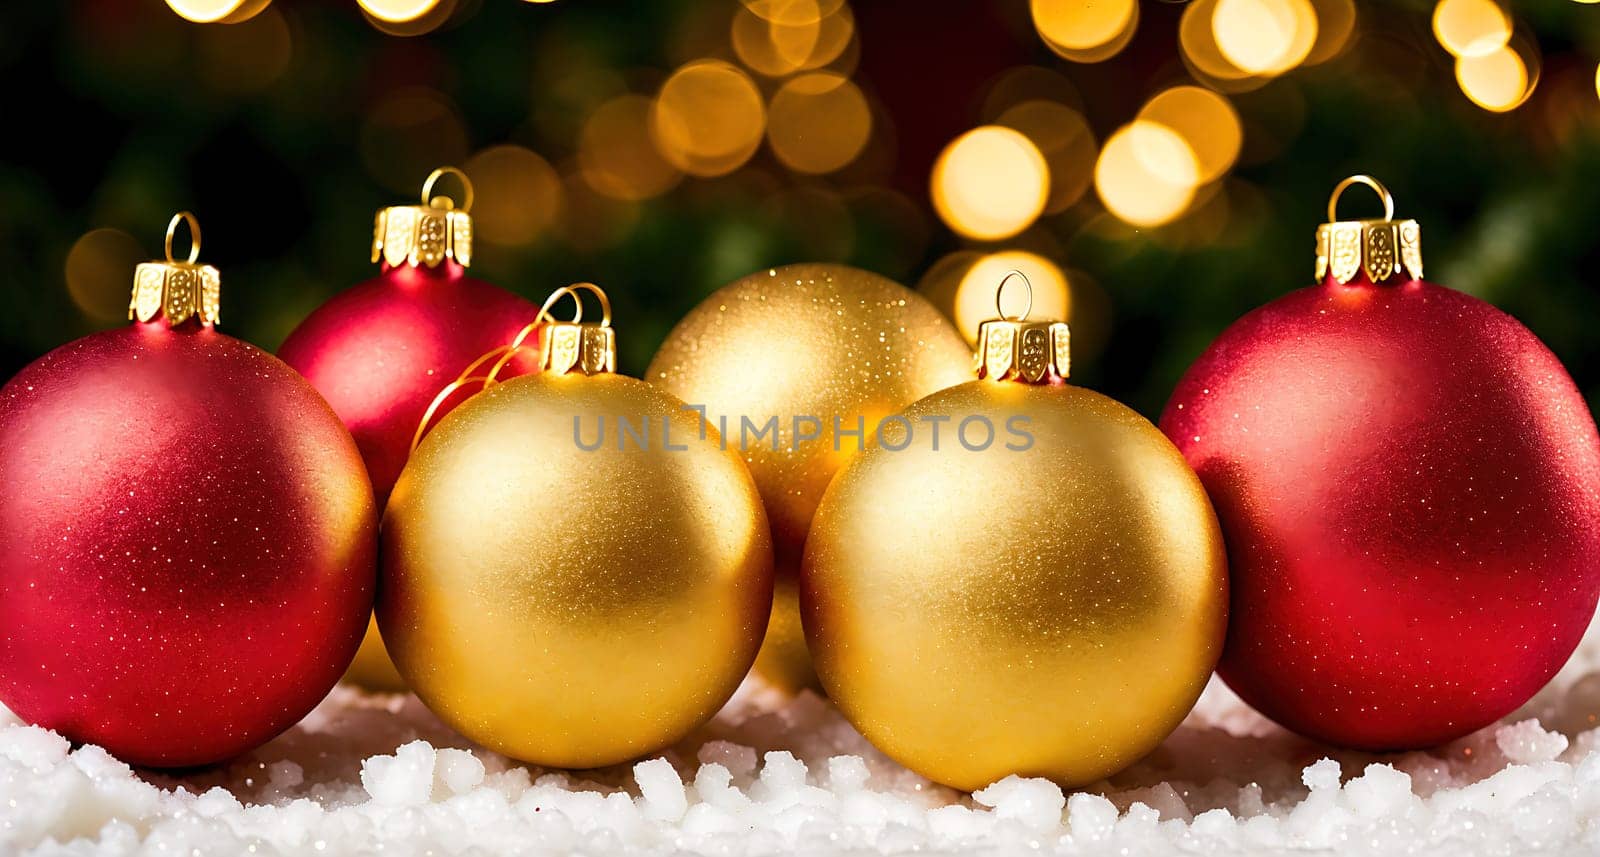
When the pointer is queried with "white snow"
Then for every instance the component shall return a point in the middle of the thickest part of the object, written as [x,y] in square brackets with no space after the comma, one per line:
[374,774]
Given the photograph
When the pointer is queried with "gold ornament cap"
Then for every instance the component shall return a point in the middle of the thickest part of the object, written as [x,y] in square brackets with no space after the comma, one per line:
[429,233]
[1383,249]
[577,345]
[1015,348]
[177,291]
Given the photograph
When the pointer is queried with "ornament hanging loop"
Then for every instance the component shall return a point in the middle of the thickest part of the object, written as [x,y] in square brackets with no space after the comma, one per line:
[184,217]
[445,202]
[546,316]
[599,293]
[1000,292]
[1352,181]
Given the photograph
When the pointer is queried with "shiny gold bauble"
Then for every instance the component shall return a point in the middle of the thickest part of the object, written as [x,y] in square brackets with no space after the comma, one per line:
[372,668]
[813,340]
[1050,612]
[567,607]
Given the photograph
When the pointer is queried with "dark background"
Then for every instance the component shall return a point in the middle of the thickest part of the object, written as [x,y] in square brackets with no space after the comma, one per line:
[283,135]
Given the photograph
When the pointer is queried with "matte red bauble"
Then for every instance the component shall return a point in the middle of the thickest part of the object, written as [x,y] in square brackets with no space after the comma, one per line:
[1409,487]
[381,351]
[187,537]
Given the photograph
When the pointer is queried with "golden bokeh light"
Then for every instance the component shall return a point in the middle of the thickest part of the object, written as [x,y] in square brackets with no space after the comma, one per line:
[1597,77]
[777,49]
[245,57]
[708,118]
[1498,81]
[1147,174]
[615,155]
[1198,44]
[397,11]
[769,48]
[518,195]
[99,273]
[1264,37]
[1065,140]
[217,11]
[792,12]
[990,183]
[1336,21]
[407,17]
[835,32]
[1205,120]
[818,122]
[1085,30]
[1471,28]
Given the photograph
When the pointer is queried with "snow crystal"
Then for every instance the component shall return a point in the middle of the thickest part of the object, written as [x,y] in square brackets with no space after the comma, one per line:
[1034,802]
[661,790]
[404,779]
[367,774]
[1525,743]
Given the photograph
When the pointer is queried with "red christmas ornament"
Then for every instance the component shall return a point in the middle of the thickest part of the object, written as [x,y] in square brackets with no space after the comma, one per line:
[1409,487]
[381,351]
[187,537]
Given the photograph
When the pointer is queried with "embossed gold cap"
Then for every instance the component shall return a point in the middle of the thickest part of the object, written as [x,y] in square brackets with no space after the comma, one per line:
[577,345]
[1380,248]
[177,291]
[429,233]
[564,347]
[1015,348]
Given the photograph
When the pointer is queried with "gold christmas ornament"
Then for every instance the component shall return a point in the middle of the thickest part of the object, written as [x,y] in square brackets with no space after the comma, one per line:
[797,365]
[1020,577]
[575,572]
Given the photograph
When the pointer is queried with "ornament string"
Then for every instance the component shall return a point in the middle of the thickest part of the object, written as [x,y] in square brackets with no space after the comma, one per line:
[498,358]
[544,316]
